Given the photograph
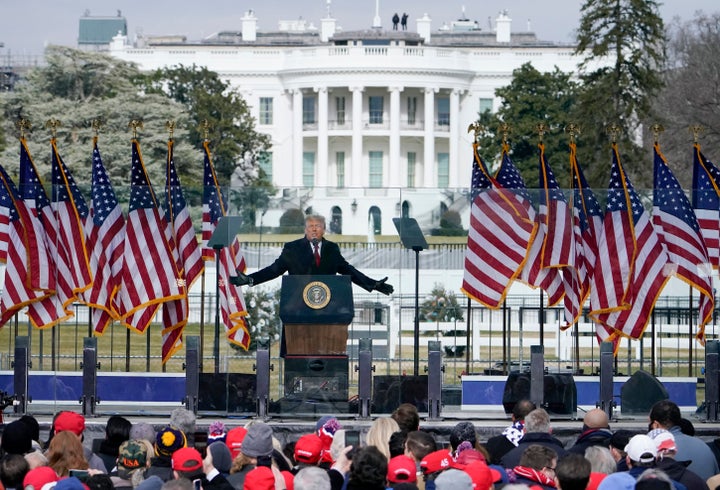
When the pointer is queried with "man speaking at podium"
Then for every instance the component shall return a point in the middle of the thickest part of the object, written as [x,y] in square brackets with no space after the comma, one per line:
[311,255]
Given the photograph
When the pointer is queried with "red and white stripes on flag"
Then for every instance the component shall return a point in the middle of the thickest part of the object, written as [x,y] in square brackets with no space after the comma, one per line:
[231,303]
[679,232]
[186,251]
[150,276]
[499,237]
[706,203]
[105,243]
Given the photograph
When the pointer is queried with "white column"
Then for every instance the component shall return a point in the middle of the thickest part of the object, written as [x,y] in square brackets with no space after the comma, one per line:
[429,179]
[297,138]
[322,169]
[454,169]
[356,179]
[395,170]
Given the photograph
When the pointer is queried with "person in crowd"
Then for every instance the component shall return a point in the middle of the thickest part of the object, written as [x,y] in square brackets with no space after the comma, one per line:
[595,432]
[617,444]
[99,481]
[311,478]
[36,459]
[216,465]
[572,472]
[368,470]
[419,444]
[462,432]
[65,453]
[75,423]
[13,469]
[397,443]
[403,21]
[537,467]
[179,484]
[117,431]
[537,431]
[234,439]
[452,479]
[665,414]
[143,431]
[379,435]
[407,417]
[395,21]
[167,441]
[602,464]
[401,469]
[184,419]
[132,460]
[665,461]
[16,438]
[654,479]
[641,457]
[39,477]
[256,450]
[308,450]
[187,463]
[32,424]
[499,445]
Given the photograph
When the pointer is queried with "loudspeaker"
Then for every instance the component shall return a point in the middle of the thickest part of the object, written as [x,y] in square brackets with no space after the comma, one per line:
[391,391]
[559,392]
[316,378]
[639,393]
[227,392]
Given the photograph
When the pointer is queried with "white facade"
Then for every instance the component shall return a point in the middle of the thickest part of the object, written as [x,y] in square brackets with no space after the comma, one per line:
[378,118]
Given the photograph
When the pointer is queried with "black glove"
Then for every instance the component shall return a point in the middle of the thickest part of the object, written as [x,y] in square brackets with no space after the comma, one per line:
[241,279]
[381,286]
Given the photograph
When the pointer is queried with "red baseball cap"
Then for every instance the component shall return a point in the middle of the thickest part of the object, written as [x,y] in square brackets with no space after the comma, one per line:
[401,469]
[39,477]
[481,474]
[72,421]
[436,461]
[234,440]
[260,478]
[308,449]
[186,459]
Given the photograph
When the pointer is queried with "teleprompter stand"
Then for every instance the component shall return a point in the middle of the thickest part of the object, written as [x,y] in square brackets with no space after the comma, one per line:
[412,238]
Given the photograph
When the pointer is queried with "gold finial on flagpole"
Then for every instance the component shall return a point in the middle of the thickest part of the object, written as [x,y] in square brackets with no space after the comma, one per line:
[573,130]
[696,129]
[205,128]
[504,130]
[170,127]
[53,124]
[656,130]
[541,128]
[96,124]
[476,128]
[613,130]
[23,126]
[135,124]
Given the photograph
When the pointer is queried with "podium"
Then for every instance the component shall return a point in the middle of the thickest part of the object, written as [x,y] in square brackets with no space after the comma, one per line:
[316,311]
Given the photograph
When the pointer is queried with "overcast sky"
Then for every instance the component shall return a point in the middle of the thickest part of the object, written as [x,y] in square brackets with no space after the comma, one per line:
[26,26]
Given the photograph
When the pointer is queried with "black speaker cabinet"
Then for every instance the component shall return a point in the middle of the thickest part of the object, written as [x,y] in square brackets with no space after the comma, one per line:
[559,392]
[322,378]
[227,392]
[639,393]
[391,391]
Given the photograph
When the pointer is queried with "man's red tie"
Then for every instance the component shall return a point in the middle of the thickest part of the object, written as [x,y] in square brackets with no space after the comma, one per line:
[317,255]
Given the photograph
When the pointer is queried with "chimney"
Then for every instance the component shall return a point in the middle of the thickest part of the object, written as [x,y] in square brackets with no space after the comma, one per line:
[502,27]
[423,27]
[249,26]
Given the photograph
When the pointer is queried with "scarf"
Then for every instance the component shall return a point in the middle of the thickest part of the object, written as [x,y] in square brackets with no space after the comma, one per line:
[534,475]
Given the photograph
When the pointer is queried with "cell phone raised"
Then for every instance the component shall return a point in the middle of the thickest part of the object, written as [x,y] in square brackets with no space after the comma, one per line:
[197,484]
[81,475]
[352,438]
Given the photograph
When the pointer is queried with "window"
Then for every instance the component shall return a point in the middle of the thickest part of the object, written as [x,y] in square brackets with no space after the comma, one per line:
[375,216]
[340,110]
[309,110]
[336,220]
[411,160]
[443,174]
[443,111]
[308,169]
[266,110]
[376,109]
[486,105]
[411,110]
[265,161]
[340,168]
[376,169]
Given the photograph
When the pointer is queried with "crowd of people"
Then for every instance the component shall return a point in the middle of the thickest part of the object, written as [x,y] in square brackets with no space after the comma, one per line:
[396,453]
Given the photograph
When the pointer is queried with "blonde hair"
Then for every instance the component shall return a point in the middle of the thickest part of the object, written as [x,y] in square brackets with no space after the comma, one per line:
[379,434]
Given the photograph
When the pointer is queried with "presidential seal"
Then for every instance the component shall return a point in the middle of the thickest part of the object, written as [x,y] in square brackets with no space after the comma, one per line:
[316,295]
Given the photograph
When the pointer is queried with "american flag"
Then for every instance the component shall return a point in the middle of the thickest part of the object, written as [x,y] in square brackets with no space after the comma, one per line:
[50,310]
[498,238]
[533,273]
[706,203]
[150,275]
[187,255]
[232,305]
[679,232]
[16,293]
[71,212]
[105,244]
[648,269]
[587,219]
[616,246]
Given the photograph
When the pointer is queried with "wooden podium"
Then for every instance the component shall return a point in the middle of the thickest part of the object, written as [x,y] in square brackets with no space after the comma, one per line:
[316,311]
